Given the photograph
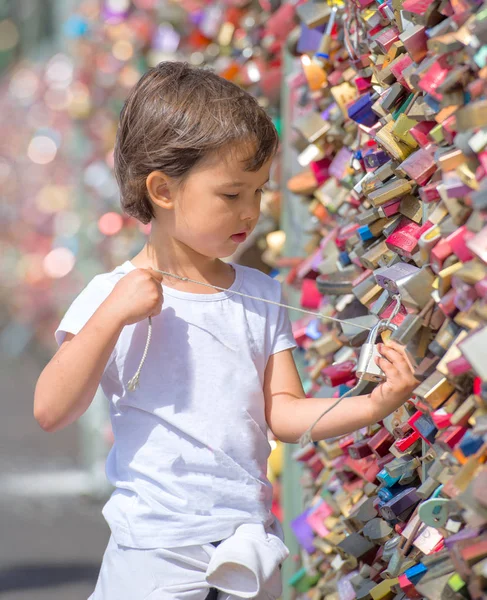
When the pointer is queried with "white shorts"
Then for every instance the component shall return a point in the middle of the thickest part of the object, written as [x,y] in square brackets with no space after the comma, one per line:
[161,574]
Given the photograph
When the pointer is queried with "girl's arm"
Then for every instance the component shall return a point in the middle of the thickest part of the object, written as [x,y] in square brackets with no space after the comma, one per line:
[67,385]
[289,413]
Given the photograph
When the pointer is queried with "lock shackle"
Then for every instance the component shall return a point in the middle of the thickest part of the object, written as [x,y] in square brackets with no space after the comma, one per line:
[378,328]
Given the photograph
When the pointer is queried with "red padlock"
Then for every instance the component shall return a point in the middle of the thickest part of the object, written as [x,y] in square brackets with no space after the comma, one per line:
[381,442]
[451,437]
[338,373]
[404,239]
[429,192]
[439,253]
[405,443]
[359,450]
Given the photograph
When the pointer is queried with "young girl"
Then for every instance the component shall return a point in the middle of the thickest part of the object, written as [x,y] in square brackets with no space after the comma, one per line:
[191,509]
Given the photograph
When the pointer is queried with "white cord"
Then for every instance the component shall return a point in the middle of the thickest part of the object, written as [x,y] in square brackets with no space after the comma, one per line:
[306,437]
[134,382]
[307,312]
[397,308]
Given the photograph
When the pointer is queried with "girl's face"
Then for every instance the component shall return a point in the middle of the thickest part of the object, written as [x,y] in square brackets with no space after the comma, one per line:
[218,206]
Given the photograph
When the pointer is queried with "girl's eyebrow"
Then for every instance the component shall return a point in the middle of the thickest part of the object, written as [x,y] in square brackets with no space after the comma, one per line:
[241,183]
[234,183]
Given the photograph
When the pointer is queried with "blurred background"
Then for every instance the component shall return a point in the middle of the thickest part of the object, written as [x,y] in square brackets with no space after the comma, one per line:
[66,67]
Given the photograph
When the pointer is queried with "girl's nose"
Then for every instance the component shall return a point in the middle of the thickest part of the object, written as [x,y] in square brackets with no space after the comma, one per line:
[251,210]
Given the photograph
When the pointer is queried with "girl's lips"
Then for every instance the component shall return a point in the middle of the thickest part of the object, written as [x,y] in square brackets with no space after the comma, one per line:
[239,237]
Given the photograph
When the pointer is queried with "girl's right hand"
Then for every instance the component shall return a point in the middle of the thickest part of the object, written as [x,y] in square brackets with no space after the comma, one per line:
[399,383]
[137,295]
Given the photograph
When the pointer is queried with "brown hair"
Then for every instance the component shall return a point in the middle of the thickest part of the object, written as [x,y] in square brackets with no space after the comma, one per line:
[176,116]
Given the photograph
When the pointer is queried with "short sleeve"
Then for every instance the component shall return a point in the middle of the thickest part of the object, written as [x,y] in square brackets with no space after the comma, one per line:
[83,307]
[283,337]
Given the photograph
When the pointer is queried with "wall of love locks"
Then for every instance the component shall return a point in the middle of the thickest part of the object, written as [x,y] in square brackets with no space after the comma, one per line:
[393,157]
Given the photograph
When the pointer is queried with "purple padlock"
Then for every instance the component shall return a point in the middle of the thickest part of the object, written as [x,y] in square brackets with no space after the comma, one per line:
[303,531]
[399,504]
[309,40]
[361,111]
[376,159]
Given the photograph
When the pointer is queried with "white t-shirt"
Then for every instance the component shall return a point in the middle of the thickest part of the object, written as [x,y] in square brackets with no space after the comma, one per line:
[189,461]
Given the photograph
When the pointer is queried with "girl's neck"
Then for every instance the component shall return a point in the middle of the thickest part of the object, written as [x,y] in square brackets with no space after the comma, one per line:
[181,260]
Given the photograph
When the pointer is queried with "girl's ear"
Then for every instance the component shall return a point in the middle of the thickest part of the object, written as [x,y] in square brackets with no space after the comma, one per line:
[158,188]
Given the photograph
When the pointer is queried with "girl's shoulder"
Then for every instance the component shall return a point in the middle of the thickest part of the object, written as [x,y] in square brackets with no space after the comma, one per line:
[87,301]
[95,292]
[260,283]
[109,278]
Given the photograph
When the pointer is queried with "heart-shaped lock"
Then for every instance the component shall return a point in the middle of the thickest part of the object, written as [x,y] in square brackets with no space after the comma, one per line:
[434,512]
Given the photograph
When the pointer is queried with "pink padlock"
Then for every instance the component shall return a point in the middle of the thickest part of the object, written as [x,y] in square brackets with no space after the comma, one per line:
[458,366]
[420,132]
[321,170]
[439,253]
[429,192]
[398,67]
[441,419]
[310,296]
[458,243]
[447,303]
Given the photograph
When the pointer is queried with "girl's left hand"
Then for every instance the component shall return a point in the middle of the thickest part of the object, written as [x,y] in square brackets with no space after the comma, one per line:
[399,383]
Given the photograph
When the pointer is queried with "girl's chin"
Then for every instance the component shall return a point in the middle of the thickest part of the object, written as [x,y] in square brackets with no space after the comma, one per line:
[223,250]
[219,254]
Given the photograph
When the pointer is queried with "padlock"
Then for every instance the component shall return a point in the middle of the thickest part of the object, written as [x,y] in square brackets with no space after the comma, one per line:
[366,366]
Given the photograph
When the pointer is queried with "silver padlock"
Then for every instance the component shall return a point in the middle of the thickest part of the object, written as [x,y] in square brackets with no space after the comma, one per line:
[356,335]
[366,364]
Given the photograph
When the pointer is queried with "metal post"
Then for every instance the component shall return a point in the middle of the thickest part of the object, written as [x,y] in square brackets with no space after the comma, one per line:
[294,214]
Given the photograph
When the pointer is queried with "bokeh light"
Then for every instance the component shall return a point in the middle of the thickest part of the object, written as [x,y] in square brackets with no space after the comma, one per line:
[42,149]
[110,223]
[58,263]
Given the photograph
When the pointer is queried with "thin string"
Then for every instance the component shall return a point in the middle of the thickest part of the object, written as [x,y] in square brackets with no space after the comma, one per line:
[307,312]
[133,383]
[396,309]
[306,437]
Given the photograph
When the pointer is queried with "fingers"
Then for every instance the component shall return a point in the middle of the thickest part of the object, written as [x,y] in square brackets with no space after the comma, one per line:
[396,366]
[157,310]
[402,350]
[157,275]
[395,356]
[388,367]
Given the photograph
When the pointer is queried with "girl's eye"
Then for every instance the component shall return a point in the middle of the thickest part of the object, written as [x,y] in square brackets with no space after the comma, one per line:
[235,196]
